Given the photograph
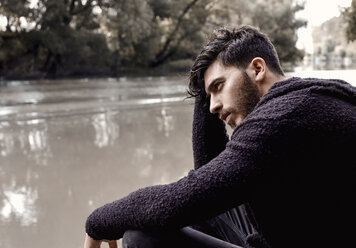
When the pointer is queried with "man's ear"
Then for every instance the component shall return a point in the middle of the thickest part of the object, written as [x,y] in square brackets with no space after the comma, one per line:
[257,70]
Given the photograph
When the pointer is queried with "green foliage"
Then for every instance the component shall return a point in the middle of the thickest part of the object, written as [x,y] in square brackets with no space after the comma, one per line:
[276,18]
[11,47]
[13,10]
[182,37]
[350,17]
[62,43]
[77,37]
[69,52]
[130,22]
[149,33]
[74,13]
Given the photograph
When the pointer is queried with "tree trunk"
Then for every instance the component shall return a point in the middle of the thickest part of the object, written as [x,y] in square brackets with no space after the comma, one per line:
[165,52]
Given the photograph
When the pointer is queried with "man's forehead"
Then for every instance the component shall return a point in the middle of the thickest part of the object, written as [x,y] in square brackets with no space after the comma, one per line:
[215,70]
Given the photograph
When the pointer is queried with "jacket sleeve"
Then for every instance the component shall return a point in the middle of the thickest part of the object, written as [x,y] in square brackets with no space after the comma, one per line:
[226,181]
[209,135]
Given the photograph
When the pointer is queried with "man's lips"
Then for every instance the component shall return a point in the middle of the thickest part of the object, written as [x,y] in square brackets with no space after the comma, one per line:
[227,117]
[223,116]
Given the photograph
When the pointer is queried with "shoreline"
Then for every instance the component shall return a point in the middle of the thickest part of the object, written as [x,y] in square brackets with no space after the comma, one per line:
[144,72]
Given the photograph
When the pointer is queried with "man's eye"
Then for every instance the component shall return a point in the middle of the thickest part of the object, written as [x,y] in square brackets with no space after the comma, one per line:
[218,85]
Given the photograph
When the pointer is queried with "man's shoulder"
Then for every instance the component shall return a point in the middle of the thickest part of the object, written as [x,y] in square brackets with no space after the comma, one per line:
[279,103]
[295,93]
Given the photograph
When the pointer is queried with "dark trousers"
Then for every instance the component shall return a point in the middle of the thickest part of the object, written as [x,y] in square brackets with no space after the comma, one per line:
[228,230]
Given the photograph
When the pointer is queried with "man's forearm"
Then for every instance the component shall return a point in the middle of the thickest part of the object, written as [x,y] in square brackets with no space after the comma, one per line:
[209,135]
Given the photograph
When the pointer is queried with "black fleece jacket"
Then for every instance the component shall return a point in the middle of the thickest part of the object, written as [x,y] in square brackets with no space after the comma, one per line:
[292,160]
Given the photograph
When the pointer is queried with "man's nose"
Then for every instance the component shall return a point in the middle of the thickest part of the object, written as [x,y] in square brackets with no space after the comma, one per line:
[215,105]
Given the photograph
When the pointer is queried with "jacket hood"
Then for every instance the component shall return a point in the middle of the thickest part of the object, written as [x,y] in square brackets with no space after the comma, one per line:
[331,87]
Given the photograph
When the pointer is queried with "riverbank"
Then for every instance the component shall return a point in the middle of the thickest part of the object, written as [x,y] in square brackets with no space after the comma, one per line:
[172,68]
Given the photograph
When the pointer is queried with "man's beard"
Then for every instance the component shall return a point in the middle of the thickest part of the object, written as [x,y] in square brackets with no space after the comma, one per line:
[248,96]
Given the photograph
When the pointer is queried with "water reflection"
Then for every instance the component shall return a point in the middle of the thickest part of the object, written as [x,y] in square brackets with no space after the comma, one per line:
[143,157]
[106,129]
[34,140]
[30,136]
[57,166]
[165,122]
[19,205]
[6,140]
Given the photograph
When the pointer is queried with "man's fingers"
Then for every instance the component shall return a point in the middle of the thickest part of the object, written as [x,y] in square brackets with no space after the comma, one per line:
[112,244]
[91,243]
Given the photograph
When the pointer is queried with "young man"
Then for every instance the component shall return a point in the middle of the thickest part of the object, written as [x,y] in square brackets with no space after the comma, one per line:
[286,178]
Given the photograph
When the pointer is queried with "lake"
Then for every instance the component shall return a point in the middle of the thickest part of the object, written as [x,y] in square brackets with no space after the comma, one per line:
[70,146]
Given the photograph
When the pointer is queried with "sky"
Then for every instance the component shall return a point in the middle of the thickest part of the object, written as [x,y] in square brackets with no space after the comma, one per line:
[316,12]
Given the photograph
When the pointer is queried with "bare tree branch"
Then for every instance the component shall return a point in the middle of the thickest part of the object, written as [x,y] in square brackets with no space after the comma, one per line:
[161,54]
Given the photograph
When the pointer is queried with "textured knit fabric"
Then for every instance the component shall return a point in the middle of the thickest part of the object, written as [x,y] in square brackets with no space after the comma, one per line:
[292,160]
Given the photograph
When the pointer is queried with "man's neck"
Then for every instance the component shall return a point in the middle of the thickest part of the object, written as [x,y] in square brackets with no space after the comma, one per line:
[271,80]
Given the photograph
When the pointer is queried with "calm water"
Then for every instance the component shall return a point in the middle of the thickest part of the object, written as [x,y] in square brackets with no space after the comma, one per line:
[68,147]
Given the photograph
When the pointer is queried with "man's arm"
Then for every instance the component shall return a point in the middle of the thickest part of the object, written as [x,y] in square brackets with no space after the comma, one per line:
[223,183]
[209,135]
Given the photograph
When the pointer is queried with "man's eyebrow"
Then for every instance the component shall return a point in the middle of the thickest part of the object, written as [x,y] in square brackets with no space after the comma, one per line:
[212,84]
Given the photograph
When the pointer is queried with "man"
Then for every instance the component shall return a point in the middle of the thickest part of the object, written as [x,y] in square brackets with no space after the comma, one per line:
[289,163]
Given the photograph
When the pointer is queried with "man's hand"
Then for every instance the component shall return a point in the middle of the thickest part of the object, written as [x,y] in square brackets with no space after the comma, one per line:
[92,243]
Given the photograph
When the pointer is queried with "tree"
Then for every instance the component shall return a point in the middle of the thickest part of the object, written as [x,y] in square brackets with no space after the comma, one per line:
[184,26]
[274,17]
[61,42]
[349,15]
[62,25]
[149,33]
[129,26]
[13,10]
[70,37]
[277,18]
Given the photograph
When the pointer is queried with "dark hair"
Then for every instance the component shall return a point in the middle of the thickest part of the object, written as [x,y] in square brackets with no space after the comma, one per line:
[235,47]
